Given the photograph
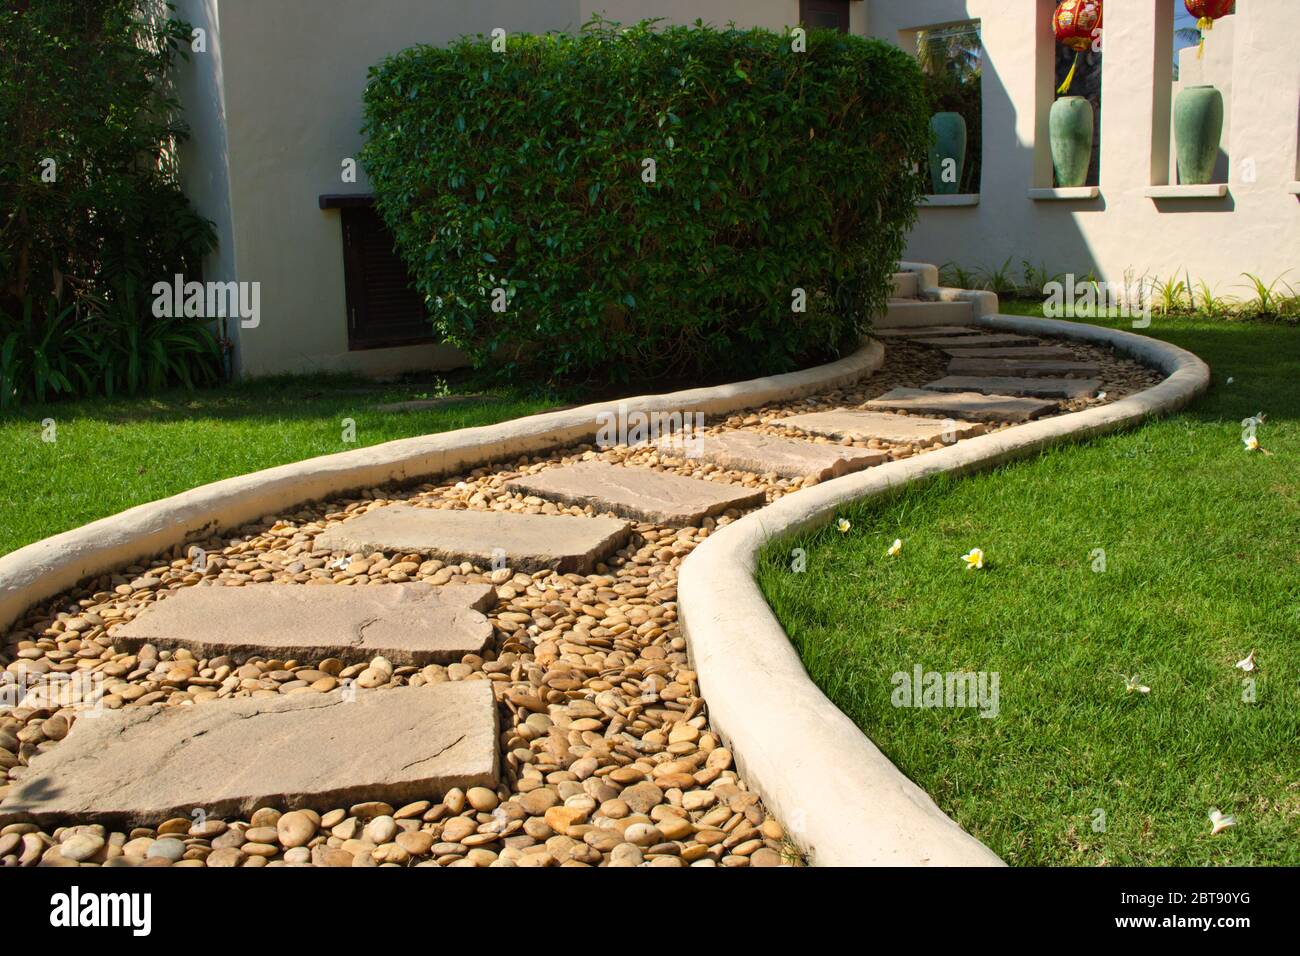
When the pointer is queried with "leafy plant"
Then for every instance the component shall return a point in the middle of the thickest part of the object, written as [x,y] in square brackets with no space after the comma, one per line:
[41,357]
[1268,301]
[1173,295]
[647,201]
[999,279]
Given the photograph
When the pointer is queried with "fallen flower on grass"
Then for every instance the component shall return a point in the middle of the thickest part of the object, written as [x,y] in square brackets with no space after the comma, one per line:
[1220,821]
[844,525]
[1247,663]
[896,547]
[1133,685]
[974,560]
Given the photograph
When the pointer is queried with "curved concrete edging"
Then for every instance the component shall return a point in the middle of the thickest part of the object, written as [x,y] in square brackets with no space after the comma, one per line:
[53,565]
[841,799]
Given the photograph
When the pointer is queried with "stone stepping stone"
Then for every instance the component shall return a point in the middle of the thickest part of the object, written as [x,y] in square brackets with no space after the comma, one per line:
[982,340]
[562,543]
[911,313]
[863,426]
[407,623]
[637,493]
[1004,385]
[923,331]
[764,454]
[1019,367]
[1022,353]
[965,405]
[142,765]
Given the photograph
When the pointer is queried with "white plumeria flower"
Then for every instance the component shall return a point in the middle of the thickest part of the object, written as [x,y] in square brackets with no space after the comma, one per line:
[844,525]
[896,547]
[1220,821]
[1247,663]
[974,560]
[1101,396]
[1230,379]
[1135,686]
[340,564]
[1251,443]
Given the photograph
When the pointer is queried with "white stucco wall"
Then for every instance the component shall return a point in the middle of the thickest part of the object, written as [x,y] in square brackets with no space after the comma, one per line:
[1255,228]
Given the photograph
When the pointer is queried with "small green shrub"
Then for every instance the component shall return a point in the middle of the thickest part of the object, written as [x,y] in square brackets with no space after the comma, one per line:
[524,171]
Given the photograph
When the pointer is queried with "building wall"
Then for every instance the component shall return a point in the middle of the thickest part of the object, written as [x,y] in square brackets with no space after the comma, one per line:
[1255,228]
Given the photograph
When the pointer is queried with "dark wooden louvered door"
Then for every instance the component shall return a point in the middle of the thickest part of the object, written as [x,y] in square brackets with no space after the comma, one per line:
[825,14]
[384,309]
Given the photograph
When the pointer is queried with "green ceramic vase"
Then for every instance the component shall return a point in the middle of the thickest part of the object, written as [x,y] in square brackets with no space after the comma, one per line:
[947,142]
[1198,127]
[1071,128]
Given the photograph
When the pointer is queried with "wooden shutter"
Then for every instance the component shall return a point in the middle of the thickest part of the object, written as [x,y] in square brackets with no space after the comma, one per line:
[384,309]
[825,14]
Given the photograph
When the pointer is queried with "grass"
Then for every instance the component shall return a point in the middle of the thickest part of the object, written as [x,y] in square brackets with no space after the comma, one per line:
[1202,565]
[111,454]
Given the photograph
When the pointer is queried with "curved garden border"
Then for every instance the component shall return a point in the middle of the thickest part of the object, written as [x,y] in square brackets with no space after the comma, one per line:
[840,798]
[53,565]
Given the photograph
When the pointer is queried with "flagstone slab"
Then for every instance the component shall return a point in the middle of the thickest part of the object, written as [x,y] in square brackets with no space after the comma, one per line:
[407,623]
[863,426]
[1014,352]
[1004,385]
[563,543]
[965,405]
[923,331]
[142,765]
[767,454]
[1020,367]
[637,493]
[981,340]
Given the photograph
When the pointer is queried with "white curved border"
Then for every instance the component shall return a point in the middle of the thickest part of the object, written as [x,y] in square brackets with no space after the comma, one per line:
[49,567]
[842,800]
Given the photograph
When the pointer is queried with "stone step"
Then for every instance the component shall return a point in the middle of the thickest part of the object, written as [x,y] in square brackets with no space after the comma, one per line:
[855,425]
[143,765]
[909,313]
[524,542]
[923,331]
[1021,368]
[907,285]
[1006,385]
[982,340]
[407,623]
[637,493]
[970,406]
[767,454]
[1012,352]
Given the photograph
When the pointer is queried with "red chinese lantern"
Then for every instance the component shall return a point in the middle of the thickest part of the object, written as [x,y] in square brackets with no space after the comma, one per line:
[1077,24]
[1206,12]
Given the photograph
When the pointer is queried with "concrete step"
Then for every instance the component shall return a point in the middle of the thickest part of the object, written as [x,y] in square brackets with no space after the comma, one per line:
[978,340]
[1013,352]
[858,425]
[1024,387]
[142,765]
[969,406]
[406,623]
[637,493]
[767,454]
[1021,368]
[524,542]
[923,332]
[907,285]
[911,313]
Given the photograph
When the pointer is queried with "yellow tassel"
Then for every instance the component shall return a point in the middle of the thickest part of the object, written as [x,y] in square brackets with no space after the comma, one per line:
[1206,25]
[1065,87]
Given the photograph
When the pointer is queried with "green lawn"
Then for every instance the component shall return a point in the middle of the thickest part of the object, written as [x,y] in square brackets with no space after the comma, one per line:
[1202,565]
[110,454]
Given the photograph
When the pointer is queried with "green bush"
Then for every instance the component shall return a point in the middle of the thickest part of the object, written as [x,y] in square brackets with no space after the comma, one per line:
[90,204]
[524,171]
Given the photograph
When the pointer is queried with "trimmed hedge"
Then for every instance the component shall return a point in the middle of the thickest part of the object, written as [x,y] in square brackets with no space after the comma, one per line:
[524,171]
